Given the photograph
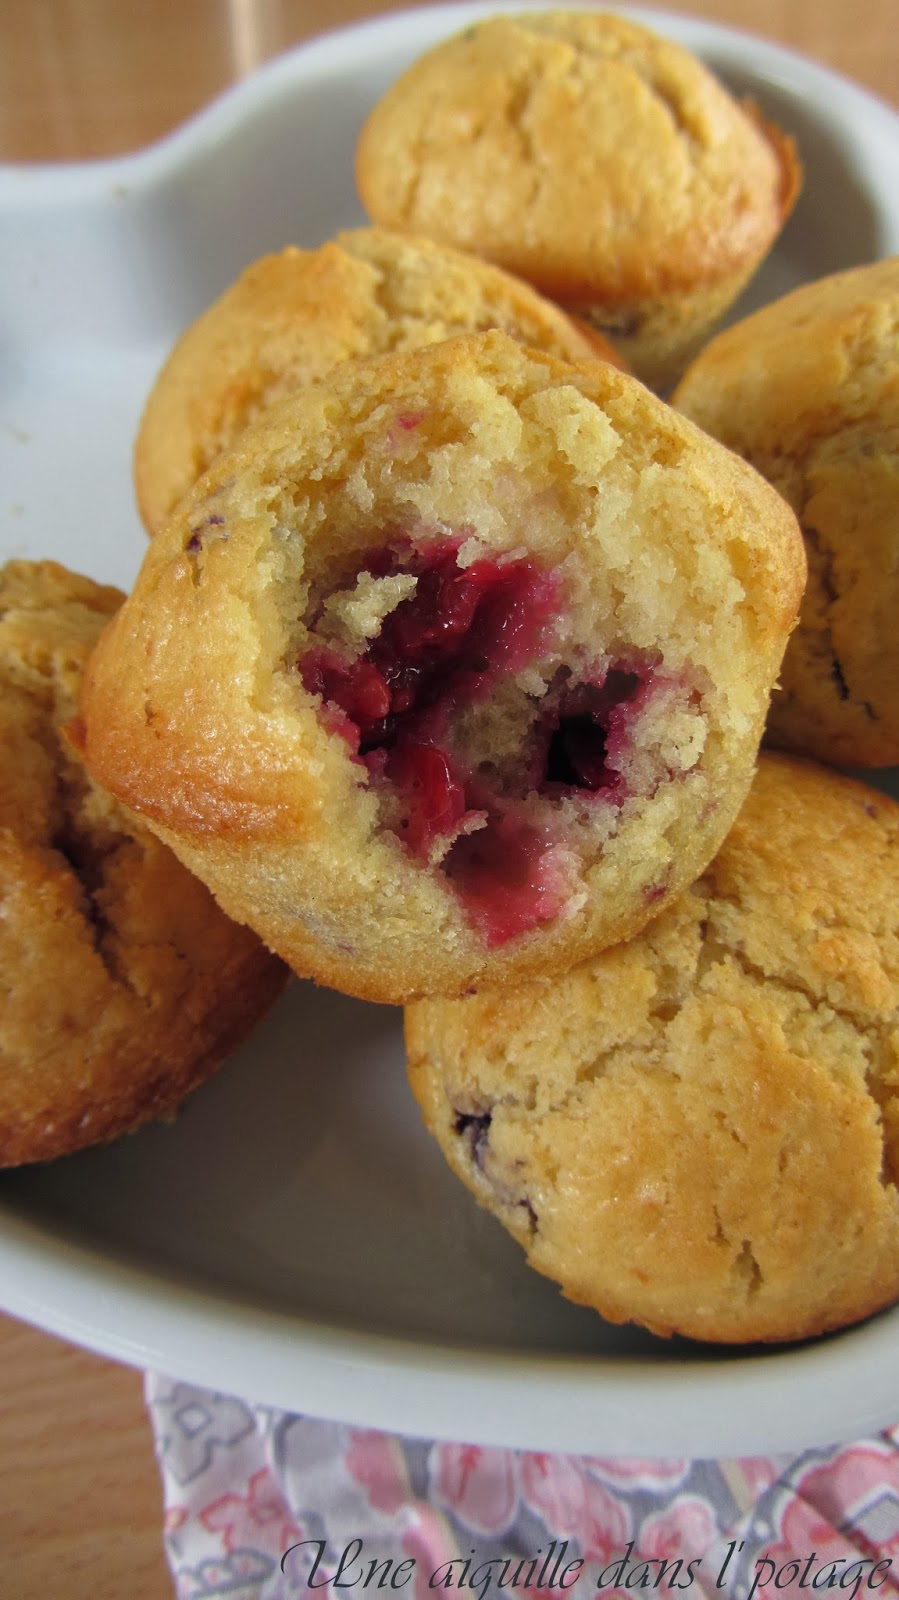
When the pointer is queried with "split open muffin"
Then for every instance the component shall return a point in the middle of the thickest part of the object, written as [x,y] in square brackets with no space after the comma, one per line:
[454,669]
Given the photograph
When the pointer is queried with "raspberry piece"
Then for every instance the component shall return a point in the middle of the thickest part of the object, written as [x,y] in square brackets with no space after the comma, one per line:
[442,649]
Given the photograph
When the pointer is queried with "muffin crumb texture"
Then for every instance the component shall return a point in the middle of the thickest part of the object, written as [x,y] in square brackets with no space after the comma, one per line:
[291,317]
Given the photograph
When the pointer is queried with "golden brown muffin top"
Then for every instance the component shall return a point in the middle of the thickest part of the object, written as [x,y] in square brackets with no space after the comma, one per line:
[807,389]
[817,361]
[596,159]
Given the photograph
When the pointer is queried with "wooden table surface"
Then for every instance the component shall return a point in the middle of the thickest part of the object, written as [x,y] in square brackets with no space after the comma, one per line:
[80,1503]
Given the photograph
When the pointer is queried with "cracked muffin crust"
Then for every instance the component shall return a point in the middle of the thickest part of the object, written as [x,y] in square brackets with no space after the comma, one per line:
[808,391]
[602,163]
[699,1130]
[454,669]
[124,986]
[291,317]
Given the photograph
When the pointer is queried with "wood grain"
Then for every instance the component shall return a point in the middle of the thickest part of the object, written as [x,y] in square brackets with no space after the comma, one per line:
[92,77]
[80,1503]
[80,1497]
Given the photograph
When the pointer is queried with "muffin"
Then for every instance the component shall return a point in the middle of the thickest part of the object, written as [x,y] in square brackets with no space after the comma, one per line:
[291,317]
[124,985]
[698,1131]
[454,669]
[808,391]
[600,162]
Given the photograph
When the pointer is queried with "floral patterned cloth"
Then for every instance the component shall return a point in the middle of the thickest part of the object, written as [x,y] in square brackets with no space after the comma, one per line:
[263,1505]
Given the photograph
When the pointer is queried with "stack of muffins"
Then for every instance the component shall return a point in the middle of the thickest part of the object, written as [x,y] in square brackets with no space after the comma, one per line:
[448,665]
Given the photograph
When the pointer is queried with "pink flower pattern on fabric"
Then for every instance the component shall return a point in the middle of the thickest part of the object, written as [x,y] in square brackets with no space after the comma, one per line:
[480,1486]
[804,1534]
[244,1484]
[685,1528]
[376,1462]
[574,1504]
[260,1519]
[854,1486]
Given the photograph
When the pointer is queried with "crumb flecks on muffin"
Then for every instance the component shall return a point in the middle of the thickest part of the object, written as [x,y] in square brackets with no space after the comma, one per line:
[597,160]
[250,704]
[699,1130]
[807,390]
[124,985]
[291,317]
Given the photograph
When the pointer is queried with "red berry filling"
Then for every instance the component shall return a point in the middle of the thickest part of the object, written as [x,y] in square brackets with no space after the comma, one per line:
[440,648]
[438,652]
[508,876]
[584,733]
[434,798]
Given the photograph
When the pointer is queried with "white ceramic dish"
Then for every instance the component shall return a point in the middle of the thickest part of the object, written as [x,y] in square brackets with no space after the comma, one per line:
[295,1237]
